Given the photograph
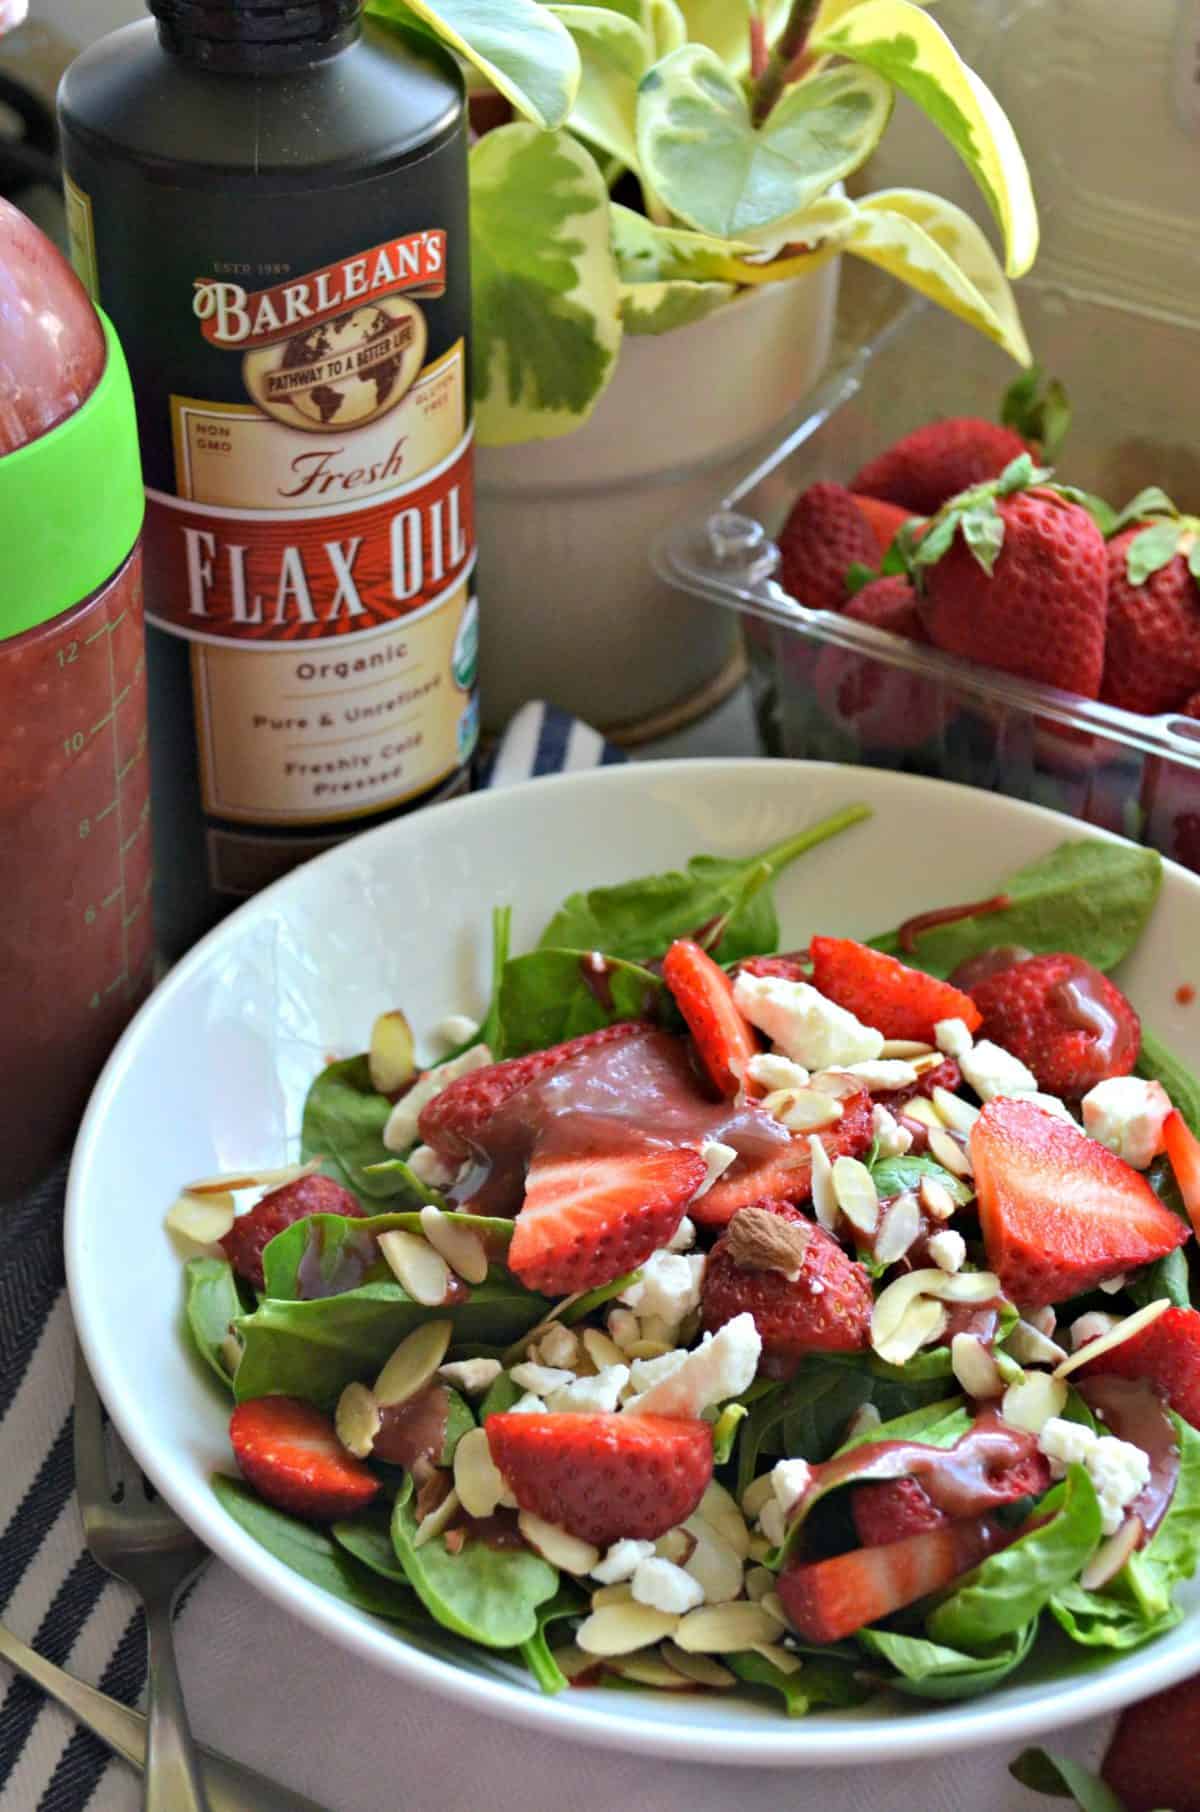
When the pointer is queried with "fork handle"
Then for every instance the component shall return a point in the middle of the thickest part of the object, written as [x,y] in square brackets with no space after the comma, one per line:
[172,1778]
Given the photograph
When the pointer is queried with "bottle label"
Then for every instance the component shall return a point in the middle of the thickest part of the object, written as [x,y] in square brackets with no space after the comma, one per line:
[319,546]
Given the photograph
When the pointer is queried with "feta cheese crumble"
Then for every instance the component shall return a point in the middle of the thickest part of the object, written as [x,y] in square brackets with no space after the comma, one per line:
[666,1587]
[669,1286]
[1117,1469]
[1126,1114]
[622,1561]
[893,1139]
[718,1158]
[948,1249]
[807,1028]
[992,1071]
[722,1366]
[590,1396]
[952,1037]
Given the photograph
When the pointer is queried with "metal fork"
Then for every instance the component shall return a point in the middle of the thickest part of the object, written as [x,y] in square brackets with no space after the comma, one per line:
[140,1540]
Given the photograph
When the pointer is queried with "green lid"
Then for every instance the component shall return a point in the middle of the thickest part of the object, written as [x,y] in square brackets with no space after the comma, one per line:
[71,503]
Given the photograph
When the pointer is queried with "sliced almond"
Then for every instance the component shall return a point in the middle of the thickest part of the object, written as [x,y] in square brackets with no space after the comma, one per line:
[843,1085]
[417,1268]
[437,1520]
[621,1593]
[772,1604]
[650,1670]
[923,1324]
[677,1545]
[825,1203]
[759,1581]
[803,1109]
[883,1076]
[520,1347]
[461,1247]
[857,1196]
[760,1548]
[1032,1403]
[975,1368]
[700,1668]
[601,1350]
[621,1629]
[203,1219]
[900,1227]
[647,1349]
[413,1363]
[358,1420]
[231,1349]
[778,1656]
[906,1048]
[719,1507]
[471,1376]
[391,1055]
[572,1662]
[923,1110]
[936,1199]
[958,1114]
[723,1629]
[948,1152]
[555,1544]
[1030,1346]
[1112,1554]
[558,1346]
[712,1563]
[760,1492]
[1124,1330]
[477,1479]
[253,1179]
[943,1286]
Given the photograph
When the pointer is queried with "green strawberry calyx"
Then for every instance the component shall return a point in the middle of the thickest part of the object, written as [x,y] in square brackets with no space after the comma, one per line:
[1167,532]
[973,511]
[1036,412]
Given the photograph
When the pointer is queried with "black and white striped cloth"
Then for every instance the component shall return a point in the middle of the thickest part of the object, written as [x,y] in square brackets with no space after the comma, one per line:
[271,1691]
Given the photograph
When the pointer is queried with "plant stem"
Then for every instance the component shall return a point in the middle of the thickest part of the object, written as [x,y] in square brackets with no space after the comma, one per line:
[758,40]
[789,48]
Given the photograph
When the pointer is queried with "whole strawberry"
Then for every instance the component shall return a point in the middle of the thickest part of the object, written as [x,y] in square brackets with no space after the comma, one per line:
[934,463]
[824,536]
[1014,575]
[886,520]
[881,706]
[1152,660]
[1062,1018]
[805,1295]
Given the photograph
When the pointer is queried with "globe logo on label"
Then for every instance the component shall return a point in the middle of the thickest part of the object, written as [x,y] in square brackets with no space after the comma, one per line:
[342,373]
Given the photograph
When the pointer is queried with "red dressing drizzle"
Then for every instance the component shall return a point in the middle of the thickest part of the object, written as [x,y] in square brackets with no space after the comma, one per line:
[912,928]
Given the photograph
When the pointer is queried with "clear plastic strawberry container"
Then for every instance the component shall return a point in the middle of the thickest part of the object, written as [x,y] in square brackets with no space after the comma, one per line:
[1110,119]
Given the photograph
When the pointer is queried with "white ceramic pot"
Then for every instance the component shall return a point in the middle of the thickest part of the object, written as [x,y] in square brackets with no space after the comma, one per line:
[572,611]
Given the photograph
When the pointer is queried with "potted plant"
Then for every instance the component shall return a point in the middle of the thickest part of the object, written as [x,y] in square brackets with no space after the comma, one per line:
[656,244]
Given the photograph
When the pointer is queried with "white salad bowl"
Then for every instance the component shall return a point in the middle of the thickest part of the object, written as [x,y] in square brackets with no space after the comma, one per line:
[212,1075]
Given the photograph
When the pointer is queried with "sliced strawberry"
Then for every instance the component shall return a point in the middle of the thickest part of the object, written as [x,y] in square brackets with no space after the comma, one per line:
[1063,1018]
[1059,1212]
[1183,1150]
[585,1220]
[291,1455]
[704,995]
[826,1309]
[253,1232]
[602,1477]
[828,1599]
[792,966]
[1166,1354]
[784,1176]
[901,1002]
[945,1075]
[452,1120]
[1151,1760]
[894,1508]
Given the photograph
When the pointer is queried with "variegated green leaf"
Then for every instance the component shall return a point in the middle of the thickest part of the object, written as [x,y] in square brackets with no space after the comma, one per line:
[824,225]
[724,25]
[518,45]
[938,250]
[901,43]
[547,307]
[704,159]
[661,20]
[648,253]
[661,307]
[614,54]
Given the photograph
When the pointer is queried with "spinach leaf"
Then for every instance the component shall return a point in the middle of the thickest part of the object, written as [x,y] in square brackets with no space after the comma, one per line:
[314,1349]
[406,1189]
[368,1537]
[1106,1620]
[725,1431]
[499,1397]
[546,998]
[1165,1277]
[1089,897]
[313,1553]
[536,1653]
[1158,1064]
[820,1680]
[493,1031]
[1059,1777]
[343,1125]
[926,1670]
[340,1239]
[490,1595]
[212,1305]
[892,1176]
[1009,1589]
[806,1417]
[640,919]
